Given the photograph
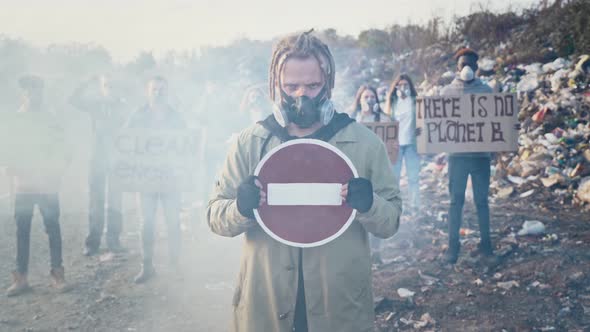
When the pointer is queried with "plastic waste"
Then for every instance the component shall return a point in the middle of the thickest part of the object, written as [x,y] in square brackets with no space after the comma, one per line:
[555,65]
[534,68]
[557,78]
[486,64]
[528,83]
[532,227]
[405,293]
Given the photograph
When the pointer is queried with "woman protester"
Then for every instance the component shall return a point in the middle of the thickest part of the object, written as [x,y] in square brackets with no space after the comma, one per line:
[255,104]
[401,106]
[366,108]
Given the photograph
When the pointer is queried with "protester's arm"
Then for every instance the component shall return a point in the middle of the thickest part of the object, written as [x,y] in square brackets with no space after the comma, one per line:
[223,216]
[382,219]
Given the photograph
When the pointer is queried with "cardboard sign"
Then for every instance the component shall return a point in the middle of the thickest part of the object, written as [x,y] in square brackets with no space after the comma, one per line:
[467,123]
[303,179]
[34,144]
[389,134]
[146,160]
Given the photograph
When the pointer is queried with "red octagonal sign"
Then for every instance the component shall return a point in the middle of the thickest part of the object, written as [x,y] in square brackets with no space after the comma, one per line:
[303,179]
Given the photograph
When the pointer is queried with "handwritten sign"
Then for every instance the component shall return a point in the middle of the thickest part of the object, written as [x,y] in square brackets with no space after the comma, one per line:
[467,123]
[145,160]
[389,133]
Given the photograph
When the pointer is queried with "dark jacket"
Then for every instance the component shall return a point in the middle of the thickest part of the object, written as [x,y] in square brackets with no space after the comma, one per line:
[107,116]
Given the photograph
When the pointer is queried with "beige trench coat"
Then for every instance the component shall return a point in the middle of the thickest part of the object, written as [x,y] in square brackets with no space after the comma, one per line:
[337,275]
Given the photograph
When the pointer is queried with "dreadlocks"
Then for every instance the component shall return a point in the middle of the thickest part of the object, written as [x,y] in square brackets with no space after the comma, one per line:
[303,46]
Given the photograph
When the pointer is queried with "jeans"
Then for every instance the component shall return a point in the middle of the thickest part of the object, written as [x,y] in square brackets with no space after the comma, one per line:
[171,205]
[412,161]
[24,206]
[479,169]
[99,192]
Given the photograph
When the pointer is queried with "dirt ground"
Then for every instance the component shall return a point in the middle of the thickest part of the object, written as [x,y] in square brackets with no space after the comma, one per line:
[542,283]
[194,297]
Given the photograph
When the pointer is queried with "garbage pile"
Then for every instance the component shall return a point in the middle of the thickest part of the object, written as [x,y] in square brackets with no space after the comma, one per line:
[553,160]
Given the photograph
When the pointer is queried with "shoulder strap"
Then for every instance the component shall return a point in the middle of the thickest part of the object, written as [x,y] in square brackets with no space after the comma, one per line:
[325,133]
[338,122]
[275,129]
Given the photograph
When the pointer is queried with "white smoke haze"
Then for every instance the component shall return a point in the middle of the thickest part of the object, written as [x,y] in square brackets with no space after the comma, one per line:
[211,53]
[181,25]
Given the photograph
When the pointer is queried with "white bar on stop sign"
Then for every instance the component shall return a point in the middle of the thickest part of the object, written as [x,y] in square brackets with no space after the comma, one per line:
[304,194]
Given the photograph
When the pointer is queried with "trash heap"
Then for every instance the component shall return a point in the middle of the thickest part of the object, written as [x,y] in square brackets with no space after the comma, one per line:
[553,160]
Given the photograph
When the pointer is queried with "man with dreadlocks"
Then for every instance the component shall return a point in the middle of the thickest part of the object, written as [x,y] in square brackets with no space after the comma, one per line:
[326,288]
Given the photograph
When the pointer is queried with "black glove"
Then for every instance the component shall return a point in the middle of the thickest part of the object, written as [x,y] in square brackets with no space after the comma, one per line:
[360,194]
[248,197]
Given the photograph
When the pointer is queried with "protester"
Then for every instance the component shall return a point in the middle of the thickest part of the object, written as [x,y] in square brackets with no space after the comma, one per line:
[325,288]
[366,106]
[158,115]
[462,165]
[255,104]
[108,114]
[35,189]
[401,106]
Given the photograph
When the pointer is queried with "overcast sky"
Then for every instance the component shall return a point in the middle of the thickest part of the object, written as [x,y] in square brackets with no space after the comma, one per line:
[126,27]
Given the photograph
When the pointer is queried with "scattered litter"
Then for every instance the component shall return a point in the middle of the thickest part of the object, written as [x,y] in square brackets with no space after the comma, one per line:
[532,227]
[405,293]
[507,285]
[527,194]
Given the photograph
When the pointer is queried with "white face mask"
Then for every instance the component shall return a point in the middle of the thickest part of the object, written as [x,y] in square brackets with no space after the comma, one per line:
[466,74]
[402,93]
[367,106]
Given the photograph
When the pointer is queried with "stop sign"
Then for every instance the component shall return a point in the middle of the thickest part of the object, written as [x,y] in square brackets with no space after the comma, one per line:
[303,179]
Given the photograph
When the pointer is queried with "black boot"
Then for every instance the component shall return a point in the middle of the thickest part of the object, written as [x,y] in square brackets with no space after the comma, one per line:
[485,248]
[486,252]
[451,257]
[452,254]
